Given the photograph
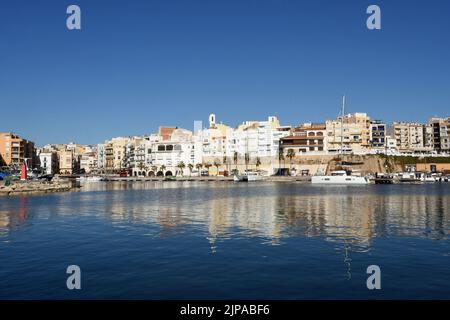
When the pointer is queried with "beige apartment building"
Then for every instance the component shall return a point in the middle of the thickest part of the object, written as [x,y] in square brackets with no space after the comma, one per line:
[441,134]
[307,138]
[88,162]
[413,137]
[14,150]
[66,161]
[351,133]
[115,150]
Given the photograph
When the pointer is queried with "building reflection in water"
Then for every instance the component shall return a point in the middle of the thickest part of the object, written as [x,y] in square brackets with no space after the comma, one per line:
[272,212]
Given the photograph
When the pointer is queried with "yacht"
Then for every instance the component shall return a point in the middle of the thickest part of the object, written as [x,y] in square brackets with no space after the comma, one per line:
[339,177]
[248,176]
[90,179]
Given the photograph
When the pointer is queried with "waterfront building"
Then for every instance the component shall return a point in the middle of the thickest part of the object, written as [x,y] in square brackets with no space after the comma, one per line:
[413,137]
[391,145]
[101,157]
[349,134]
[88,162]
[214,142]
[138,155]
[441,134]
[172,155]
[258,138]
[115,150]
[378,136]
[48,160]
[15,150]
[68,163]
[307,138]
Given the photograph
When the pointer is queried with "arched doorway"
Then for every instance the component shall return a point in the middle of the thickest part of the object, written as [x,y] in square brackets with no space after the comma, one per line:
[151,174]
[160,174]
[169,173]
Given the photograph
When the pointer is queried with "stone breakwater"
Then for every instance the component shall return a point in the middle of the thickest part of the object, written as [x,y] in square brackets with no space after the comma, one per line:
[20,187]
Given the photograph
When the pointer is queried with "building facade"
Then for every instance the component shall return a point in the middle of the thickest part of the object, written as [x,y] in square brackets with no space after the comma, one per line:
[15,150]
[441,134]
[349,134]
[413,137]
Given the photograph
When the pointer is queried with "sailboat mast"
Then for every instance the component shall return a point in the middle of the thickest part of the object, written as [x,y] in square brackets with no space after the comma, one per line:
[342,124]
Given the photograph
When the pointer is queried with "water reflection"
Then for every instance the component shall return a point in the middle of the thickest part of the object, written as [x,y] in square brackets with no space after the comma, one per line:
[350,217]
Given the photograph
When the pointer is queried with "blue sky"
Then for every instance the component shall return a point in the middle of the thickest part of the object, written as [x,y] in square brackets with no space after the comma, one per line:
[136,65]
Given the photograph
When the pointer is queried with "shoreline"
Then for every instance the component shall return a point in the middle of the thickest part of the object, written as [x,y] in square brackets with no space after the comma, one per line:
[204,179]
[35,187]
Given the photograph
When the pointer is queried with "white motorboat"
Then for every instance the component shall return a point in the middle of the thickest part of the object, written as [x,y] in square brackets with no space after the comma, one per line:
[248,177]
[90,178]
[428,178]
[340,177]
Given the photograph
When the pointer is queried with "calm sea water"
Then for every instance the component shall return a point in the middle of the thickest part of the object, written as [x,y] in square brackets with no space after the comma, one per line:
[198,240]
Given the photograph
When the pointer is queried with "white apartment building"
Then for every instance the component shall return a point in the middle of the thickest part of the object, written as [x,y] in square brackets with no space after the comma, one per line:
[88,162]
[48,161]
[101,156]
[257,138]
[167,155]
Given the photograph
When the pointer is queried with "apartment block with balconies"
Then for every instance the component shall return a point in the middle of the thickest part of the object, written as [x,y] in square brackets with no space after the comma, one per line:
[14,150]
[350,134]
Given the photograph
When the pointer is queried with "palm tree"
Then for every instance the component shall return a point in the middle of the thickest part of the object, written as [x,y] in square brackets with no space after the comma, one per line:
[207,166]
[163,168]
[141,166]
[290,155]
[199,167]
[225,162]
[280,158]
[235,159]
[181,165]
[190,166]
[155,169]
[258,163]
[247,160]
[217,165]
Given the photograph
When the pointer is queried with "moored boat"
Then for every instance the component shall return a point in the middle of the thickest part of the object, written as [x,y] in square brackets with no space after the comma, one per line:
[90,179]
[248,176]
[339,177]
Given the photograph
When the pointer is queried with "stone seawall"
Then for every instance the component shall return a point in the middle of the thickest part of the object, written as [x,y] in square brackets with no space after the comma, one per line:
[23,187]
